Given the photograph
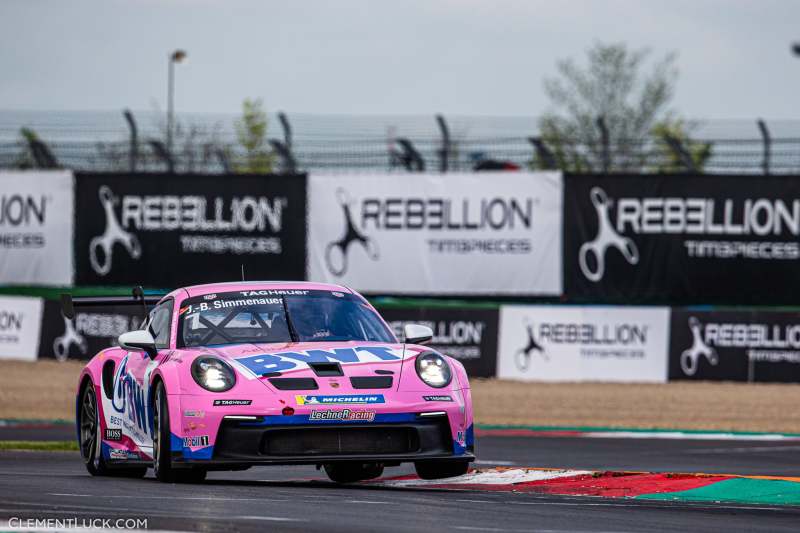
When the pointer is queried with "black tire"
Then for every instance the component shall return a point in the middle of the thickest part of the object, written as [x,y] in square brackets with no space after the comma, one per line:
[441,469]
[89,442]
[88,427]
[162,456]
[351,472]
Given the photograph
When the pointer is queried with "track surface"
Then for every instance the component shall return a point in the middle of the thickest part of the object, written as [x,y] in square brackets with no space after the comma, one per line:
[55,484]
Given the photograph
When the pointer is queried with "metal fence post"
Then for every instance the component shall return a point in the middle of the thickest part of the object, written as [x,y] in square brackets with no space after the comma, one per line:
[162,153]
[543,154]
[677,147]
[133,155]
[285,153]
[767,145]
[287,129]
[605,142]
[410,158]
[444,152]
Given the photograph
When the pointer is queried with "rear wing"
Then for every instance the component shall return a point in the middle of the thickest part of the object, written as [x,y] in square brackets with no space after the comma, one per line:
[137,297]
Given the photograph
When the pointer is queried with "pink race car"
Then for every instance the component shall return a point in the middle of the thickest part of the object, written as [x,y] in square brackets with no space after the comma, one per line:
[231,375]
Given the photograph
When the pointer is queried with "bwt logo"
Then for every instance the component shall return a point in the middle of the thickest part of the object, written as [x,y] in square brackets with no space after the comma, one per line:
[700,348]
[336,251]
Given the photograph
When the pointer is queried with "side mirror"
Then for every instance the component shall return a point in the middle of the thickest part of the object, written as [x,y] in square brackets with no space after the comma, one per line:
[417,334]
[140,340]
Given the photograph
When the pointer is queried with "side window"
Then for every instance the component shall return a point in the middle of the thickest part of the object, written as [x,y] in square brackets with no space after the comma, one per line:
[158,323]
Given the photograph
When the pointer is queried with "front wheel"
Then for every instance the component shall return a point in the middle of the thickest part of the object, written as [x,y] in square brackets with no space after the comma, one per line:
[441,469]
[351,472]
[90,443]
[162,460]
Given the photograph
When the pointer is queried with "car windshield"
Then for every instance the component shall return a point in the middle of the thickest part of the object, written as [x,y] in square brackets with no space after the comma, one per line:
[260,316]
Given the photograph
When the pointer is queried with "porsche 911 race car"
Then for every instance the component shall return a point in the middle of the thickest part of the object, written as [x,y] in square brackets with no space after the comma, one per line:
[232,375]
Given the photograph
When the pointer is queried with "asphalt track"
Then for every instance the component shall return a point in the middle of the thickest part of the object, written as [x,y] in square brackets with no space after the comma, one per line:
[55,484]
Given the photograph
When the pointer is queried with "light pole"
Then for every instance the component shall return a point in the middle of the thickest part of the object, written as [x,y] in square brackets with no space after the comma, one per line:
[175,57]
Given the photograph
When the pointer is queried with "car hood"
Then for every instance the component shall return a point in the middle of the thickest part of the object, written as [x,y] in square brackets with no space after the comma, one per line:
[308,359]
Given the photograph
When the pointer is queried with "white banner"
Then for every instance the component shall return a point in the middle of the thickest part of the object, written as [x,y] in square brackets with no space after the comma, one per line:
[20,320]
[566,343]
[36,227]
[484,233]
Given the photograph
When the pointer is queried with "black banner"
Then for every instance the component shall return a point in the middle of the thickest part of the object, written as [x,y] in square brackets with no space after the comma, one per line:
[92,330]
[469,335]
[174,230]
[682,239]
[734,346]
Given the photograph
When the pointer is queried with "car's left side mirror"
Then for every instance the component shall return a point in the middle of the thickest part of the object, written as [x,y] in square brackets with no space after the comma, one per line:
[140,340]
[417,334]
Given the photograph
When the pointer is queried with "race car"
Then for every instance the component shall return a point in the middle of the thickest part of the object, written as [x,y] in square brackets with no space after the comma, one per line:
[232,375]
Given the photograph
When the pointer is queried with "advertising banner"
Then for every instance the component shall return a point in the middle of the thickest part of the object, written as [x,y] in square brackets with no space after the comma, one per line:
[437,233]
[36,222]
[752,345]
[682,239]
[566,343]
[20,319]
[467,334]
[173,230]
[92,330]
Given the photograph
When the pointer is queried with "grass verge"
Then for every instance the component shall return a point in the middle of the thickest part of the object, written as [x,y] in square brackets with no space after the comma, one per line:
[43,445]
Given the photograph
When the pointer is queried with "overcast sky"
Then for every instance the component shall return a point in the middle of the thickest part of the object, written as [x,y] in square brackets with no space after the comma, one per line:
[484,57]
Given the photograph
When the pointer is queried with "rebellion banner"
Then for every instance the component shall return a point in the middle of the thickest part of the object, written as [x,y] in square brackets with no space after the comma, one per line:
[753,345]
[467,334]
[573,343]
[174,230]
[455,234]
[682,239]
[36,221]
[92,330]
[20,320]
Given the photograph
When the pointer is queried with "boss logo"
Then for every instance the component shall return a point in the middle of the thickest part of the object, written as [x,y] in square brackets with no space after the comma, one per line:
[112,434]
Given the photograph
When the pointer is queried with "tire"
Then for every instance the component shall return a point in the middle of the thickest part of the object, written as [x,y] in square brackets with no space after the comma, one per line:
[89,441]
[351,472]
[441,469]
[162,452]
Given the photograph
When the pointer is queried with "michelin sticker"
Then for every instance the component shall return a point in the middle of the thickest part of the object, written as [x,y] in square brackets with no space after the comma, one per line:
[338,400]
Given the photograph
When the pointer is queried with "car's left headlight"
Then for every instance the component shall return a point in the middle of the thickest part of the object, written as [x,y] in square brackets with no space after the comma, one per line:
[433,370]
[213,374]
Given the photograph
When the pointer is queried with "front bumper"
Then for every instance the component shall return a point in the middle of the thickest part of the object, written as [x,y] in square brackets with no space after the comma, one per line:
[275,440]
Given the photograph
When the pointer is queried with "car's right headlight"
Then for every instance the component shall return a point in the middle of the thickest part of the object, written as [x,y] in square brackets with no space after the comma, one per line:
[433,369]
[213,374]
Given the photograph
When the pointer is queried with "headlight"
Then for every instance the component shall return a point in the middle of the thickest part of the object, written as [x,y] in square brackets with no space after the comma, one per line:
[213,374]
[433,370]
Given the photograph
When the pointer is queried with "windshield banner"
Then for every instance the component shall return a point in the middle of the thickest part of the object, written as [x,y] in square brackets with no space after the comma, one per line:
[174,230]
[437,233]
[36,223]
[466,334]
[682,239]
